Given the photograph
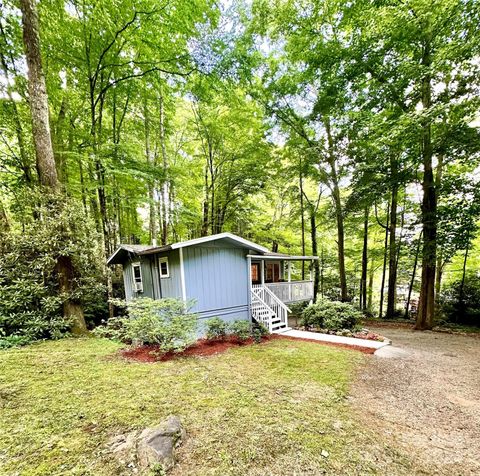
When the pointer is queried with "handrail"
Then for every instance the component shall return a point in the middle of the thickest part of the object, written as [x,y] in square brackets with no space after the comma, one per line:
[271,303]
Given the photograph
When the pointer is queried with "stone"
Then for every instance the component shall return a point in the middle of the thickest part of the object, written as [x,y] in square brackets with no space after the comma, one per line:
[156,446]
[325,453]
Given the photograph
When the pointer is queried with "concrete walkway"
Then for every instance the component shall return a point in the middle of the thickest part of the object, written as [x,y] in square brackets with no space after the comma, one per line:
[370,344]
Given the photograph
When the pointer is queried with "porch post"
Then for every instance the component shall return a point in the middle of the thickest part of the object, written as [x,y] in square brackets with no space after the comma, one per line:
[289,275]
[249,301]
[262,271]
[311,270]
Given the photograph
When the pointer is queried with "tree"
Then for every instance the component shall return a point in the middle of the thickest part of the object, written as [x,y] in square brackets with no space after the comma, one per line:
[46,168]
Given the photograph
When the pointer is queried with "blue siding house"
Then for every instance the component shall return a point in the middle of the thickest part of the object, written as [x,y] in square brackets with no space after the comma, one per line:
[224,275]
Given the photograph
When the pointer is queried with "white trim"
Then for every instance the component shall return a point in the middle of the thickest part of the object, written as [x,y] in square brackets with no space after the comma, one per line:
[163,259]
[137,289]
[283,258]
[182,275]
[220,236]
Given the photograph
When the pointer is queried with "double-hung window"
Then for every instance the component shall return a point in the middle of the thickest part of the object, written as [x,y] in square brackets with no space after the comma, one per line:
[163,267]
[137,278]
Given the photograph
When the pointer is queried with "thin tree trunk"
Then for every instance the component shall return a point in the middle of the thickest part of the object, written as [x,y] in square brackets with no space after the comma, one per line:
[47,173]
[338,213]
[165,183]
[152,222]
[426,308]
[461,294]
[371,274]
[206,202]
[439,267]
[412,281]
[363,280]
[24,160]
[392,258]
[302,216]
[384,270]
[316,265]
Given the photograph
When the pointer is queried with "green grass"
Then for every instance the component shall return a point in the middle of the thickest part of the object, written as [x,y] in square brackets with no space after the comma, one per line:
[255,410]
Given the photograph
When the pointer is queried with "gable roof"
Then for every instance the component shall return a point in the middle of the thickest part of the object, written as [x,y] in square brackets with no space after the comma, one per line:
[124,251]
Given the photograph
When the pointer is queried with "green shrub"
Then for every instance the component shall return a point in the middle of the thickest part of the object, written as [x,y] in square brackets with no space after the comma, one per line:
[460,304]
[240,329]
[164,322]
[31,306]
[331,315]
[216,328]
[258,332]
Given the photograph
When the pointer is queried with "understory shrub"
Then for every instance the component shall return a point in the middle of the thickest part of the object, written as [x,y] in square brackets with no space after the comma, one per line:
[164,322]
[460,303]
[31,305]
[216,328]
[331,315]
[241,329]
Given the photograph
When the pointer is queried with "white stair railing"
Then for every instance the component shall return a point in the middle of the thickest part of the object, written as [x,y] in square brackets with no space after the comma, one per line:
[266,307]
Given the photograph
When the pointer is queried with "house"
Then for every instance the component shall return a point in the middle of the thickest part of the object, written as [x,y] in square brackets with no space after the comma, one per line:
[225,275]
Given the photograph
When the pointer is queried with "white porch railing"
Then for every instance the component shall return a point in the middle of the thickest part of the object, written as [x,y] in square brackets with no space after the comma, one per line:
[268,309]
[292,291]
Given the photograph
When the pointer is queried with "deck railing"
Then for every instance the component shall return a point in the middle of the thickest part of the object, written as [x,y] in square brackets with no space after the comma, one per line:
[292,291]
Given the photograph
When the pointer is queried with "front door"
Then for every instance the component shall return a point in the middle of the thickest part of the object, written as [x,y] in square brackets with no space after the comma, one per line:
[255,271]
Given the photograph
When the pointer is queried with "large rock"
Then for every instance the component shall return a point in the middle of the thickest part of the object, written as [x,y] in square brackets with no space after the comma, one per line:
[156,446]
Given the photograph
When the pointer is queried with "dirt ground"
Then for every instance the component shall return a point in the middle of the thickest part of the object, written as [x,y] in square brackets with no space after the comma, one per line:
[427,403]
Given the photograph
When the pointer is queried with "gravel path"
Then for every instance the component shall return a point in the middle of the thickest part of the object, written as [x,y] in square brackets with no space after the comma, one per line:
[427,403]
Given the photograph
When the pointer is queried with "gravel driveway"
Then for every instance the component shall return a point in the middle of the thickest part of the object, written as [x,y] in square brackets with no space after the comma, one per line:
[428,403]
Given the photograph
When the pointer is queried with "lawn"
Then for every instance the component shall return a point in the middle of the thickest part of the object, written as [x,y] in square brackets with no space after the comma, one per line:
[268,409]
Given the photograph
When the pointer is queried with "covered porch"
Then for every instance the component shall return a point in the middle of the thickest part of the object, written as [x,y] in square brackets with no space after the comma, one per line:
[275,273]
[272,288]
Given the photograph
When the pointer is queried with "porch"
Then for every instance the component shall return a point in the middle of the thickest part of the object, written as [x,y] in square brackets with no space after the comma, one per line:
[272,288]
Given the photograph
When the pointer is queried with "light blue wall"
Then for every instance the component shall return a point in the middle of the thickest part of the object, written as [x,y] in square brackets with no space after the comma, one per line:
[147,278]
[216,276]
[169,287]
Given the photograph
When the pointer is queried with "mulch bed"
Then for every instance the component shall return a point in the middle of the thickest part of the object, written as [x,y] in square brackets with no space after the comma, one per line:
[205,348]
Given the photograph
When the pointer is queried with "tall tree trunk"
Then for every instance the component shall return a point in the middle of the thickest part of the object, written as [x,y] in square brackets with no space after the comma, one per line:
[152,222]
[338,212]
[165,183]
[440,264]
[24,160]
[363,280]
[392,257]
[371,274]
[316,265]
[426,308]
[38,100]
[412,280]
[384,269]
[461,294]
[302,216]
[206,203]
[47,172]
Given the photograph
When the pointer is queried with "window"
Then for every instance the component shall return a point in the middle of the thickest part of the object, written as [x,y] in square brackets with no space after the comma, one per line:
[137,278]
[273,273]
[163,267]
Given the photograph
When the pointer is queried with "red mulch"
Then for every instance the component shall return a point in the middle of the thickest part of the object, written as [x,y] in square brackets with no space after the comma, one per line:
[205,347]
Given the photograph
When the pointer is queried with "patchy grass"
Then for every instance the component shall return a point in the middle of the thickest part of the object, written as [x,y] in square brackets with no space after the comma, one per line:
[256,410]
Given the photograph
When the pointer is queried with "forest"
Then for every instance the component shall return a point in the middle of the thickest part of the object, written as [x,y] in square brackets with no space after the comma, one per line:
[344,130]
